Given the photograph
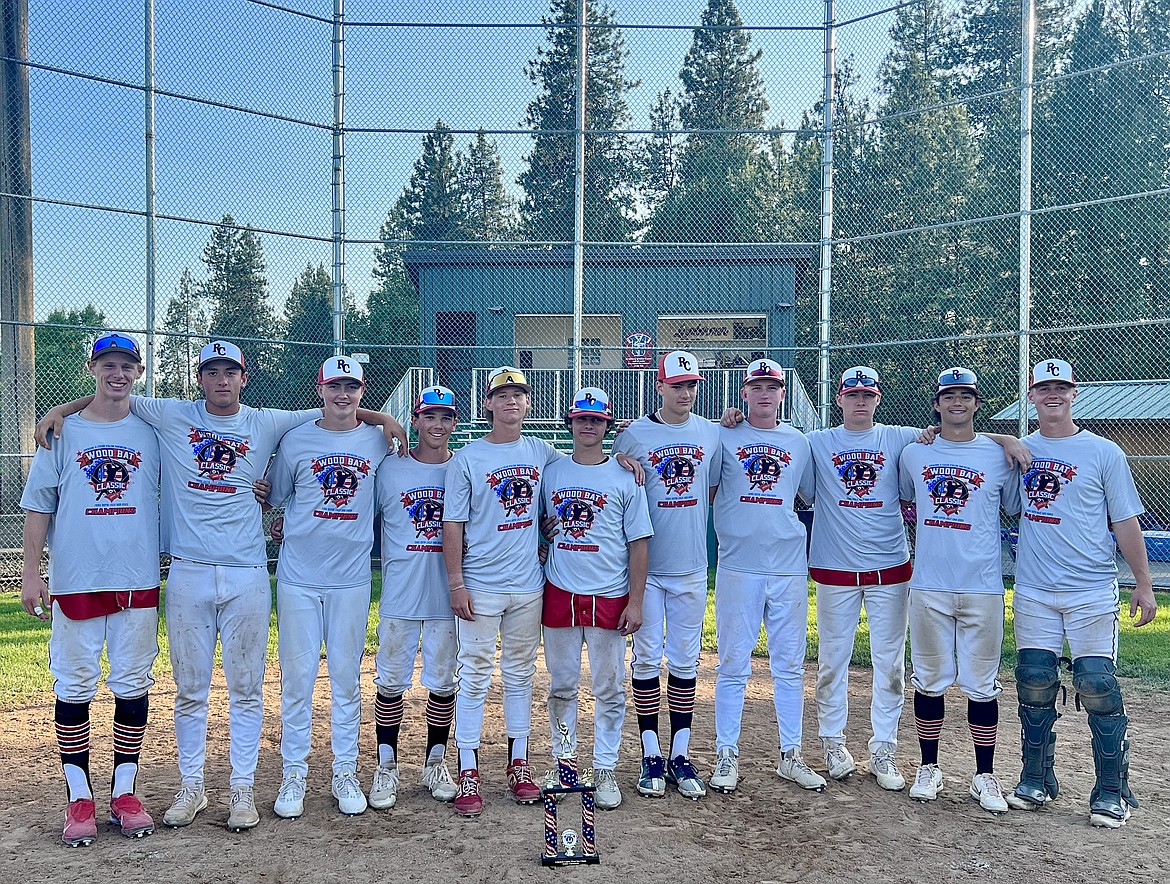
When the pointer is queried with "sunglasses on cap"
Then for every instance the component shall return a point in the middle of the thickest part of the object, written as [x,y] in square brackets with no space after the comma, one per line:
[958,377]
[114,342]
[859,381]
[433,398]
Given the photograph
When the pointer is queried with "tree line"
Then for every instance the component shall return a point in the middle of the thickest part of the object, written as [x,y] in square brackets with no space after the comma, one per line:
[935,145]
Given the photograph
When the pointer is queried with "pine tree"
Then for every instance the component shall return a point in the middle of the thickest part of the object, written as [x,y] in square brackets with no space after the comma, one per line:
[610,169]
[431,207]
[660,151]
[308,321]
[184,333]
[489,211]
[61,354]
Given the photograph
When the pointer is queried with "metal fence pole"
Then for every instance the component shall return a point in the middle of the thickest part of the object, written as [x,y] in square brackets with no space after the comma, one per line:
[1027,50]
[148,82]
[826,268]
[338,189]
[579,201]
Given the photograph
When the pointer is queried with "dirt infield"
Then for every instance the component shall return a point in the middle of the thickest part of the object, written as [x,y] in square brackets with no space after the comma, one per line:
[769,831]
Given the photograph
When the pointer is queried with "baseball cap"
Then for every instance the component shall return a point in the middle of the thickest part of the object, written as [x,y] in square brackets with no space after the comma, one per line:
[958,378]
[764,370]
[335,368]
[434,397]
[507,376]
[115,343]
[860,377]
[678,366]
[221,350]
[1052,370]
[591,401]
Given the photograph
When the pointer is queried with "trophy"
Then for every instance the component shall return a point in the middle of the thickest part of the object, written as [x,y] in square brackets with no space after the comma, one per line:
[565,848]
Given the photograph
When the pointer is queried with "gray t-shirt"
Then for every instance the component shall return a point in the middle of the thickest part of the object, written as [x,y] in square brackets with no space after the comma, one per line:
[414,576]
[760,474]
[99,482]
[1077,485]
[858,523]
[327,478]
[209,514]
[495,489]
[600,509]
[681,462]
[958,488]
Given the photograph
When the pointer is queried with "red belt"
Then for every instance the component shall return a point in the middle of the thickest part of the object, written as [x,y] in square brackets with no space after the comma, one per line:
[881,577]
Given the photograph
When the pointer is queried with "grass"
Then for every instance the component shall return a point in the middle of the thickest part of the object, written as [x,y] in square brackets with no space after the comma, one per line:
[24,673]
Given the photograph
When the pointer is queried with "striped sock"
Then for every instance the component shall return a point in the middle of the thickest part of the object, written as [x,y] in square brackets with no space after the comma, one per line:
[928,719]
[72,724]
[983,720]
[129,729]
[647,702]
[440,714]
[680,697]
[387,724]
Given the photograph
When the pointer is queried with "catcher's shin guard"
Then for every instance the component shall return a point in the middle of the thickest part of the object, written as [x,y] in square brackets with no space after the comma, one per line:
[1110,796]
[1037,684]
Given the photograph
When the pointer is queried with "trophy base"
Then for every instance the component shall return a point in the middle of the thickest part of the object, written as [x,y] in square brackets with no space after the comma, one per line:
[562,859]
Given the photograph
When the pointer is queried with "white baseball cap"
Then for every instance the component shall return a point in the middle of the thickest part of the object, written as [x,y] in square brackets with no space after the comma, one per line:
[590,401]
[678,366]
[507,376]
[1052,370]
[221,350]
[336,368]
[764,370]
[958,378]
[860,377]
[435,397]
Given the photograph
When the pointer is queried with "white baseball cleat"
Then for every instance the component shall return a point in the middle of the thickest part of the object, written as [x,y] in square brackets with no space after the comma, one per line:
[437,778]
[885,771]
[606,793]
[189,800]
[351,800]
[290,800]
[384,789]
[838,760]
[792,767]
[928,782]
[242,813]
[726,775]
[986,790]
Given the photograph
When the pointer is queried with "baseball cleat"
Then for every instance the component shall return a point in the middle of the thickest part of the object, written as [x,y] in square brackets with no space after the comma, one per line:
[351,800]
[521,785]
[792,767]
[652,781]
[437,778]
[838,760]
[1021,798]
[80,823]
[552,780]
[290,800]
[681,774]
[126,813]
[384,788]
[928,782]
[242,813]
[885,771]
[606,793]
[985,789]
[726,775]
[469,802]
[189,800]
[1109,818]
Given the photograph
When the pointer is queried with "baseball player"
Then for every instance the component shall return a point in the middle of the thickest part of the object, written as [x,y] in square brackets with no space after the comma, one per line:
[94,498]
[212,450]
[324,474]
[957,485]
[1078,489]
[677,449]
[415,609]
[595,579]
[492,497]
[758,469]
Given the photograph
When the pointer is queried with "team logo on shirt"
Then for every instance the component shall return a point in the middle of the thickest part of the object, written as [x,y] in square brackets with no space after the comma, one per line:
[109,469]
[950,486]
[424,506]
[339,476]
[858,470]
[577,509]
[676,466]
[1044,479]
[515,487]
[216,454]
[763,464]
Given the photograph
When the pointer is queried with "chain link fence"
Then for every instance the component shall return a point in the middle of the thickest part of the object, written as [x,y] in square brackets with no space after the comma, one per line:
[430,192]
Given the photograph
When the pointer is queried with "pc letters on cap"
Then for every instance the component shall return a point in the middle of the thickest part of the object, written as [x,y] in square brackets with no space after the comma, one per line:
[1052,370]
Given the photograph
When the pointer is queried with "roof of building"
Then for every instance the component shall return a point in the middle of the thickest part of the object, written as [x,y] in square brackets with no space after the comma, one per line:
[1110,401]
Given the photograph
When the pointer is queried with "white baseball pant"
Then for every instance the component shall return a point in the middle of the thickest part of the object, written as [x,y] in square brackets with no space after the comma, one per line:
[306,616]
[515,618]
[838,613]
[1089,618]
[130,637]
[673,609]
[399,645]
[742,602]
[607,669]
[235,604]
[956,637]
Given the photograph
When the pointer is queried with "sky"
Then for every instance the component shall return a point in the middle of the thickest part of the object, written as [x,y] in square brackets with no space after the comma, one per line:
[88,141]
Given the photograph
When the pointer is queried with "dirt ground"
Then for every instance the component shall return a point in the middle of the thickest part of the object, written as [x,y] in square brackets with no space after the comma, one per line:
[769,831]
